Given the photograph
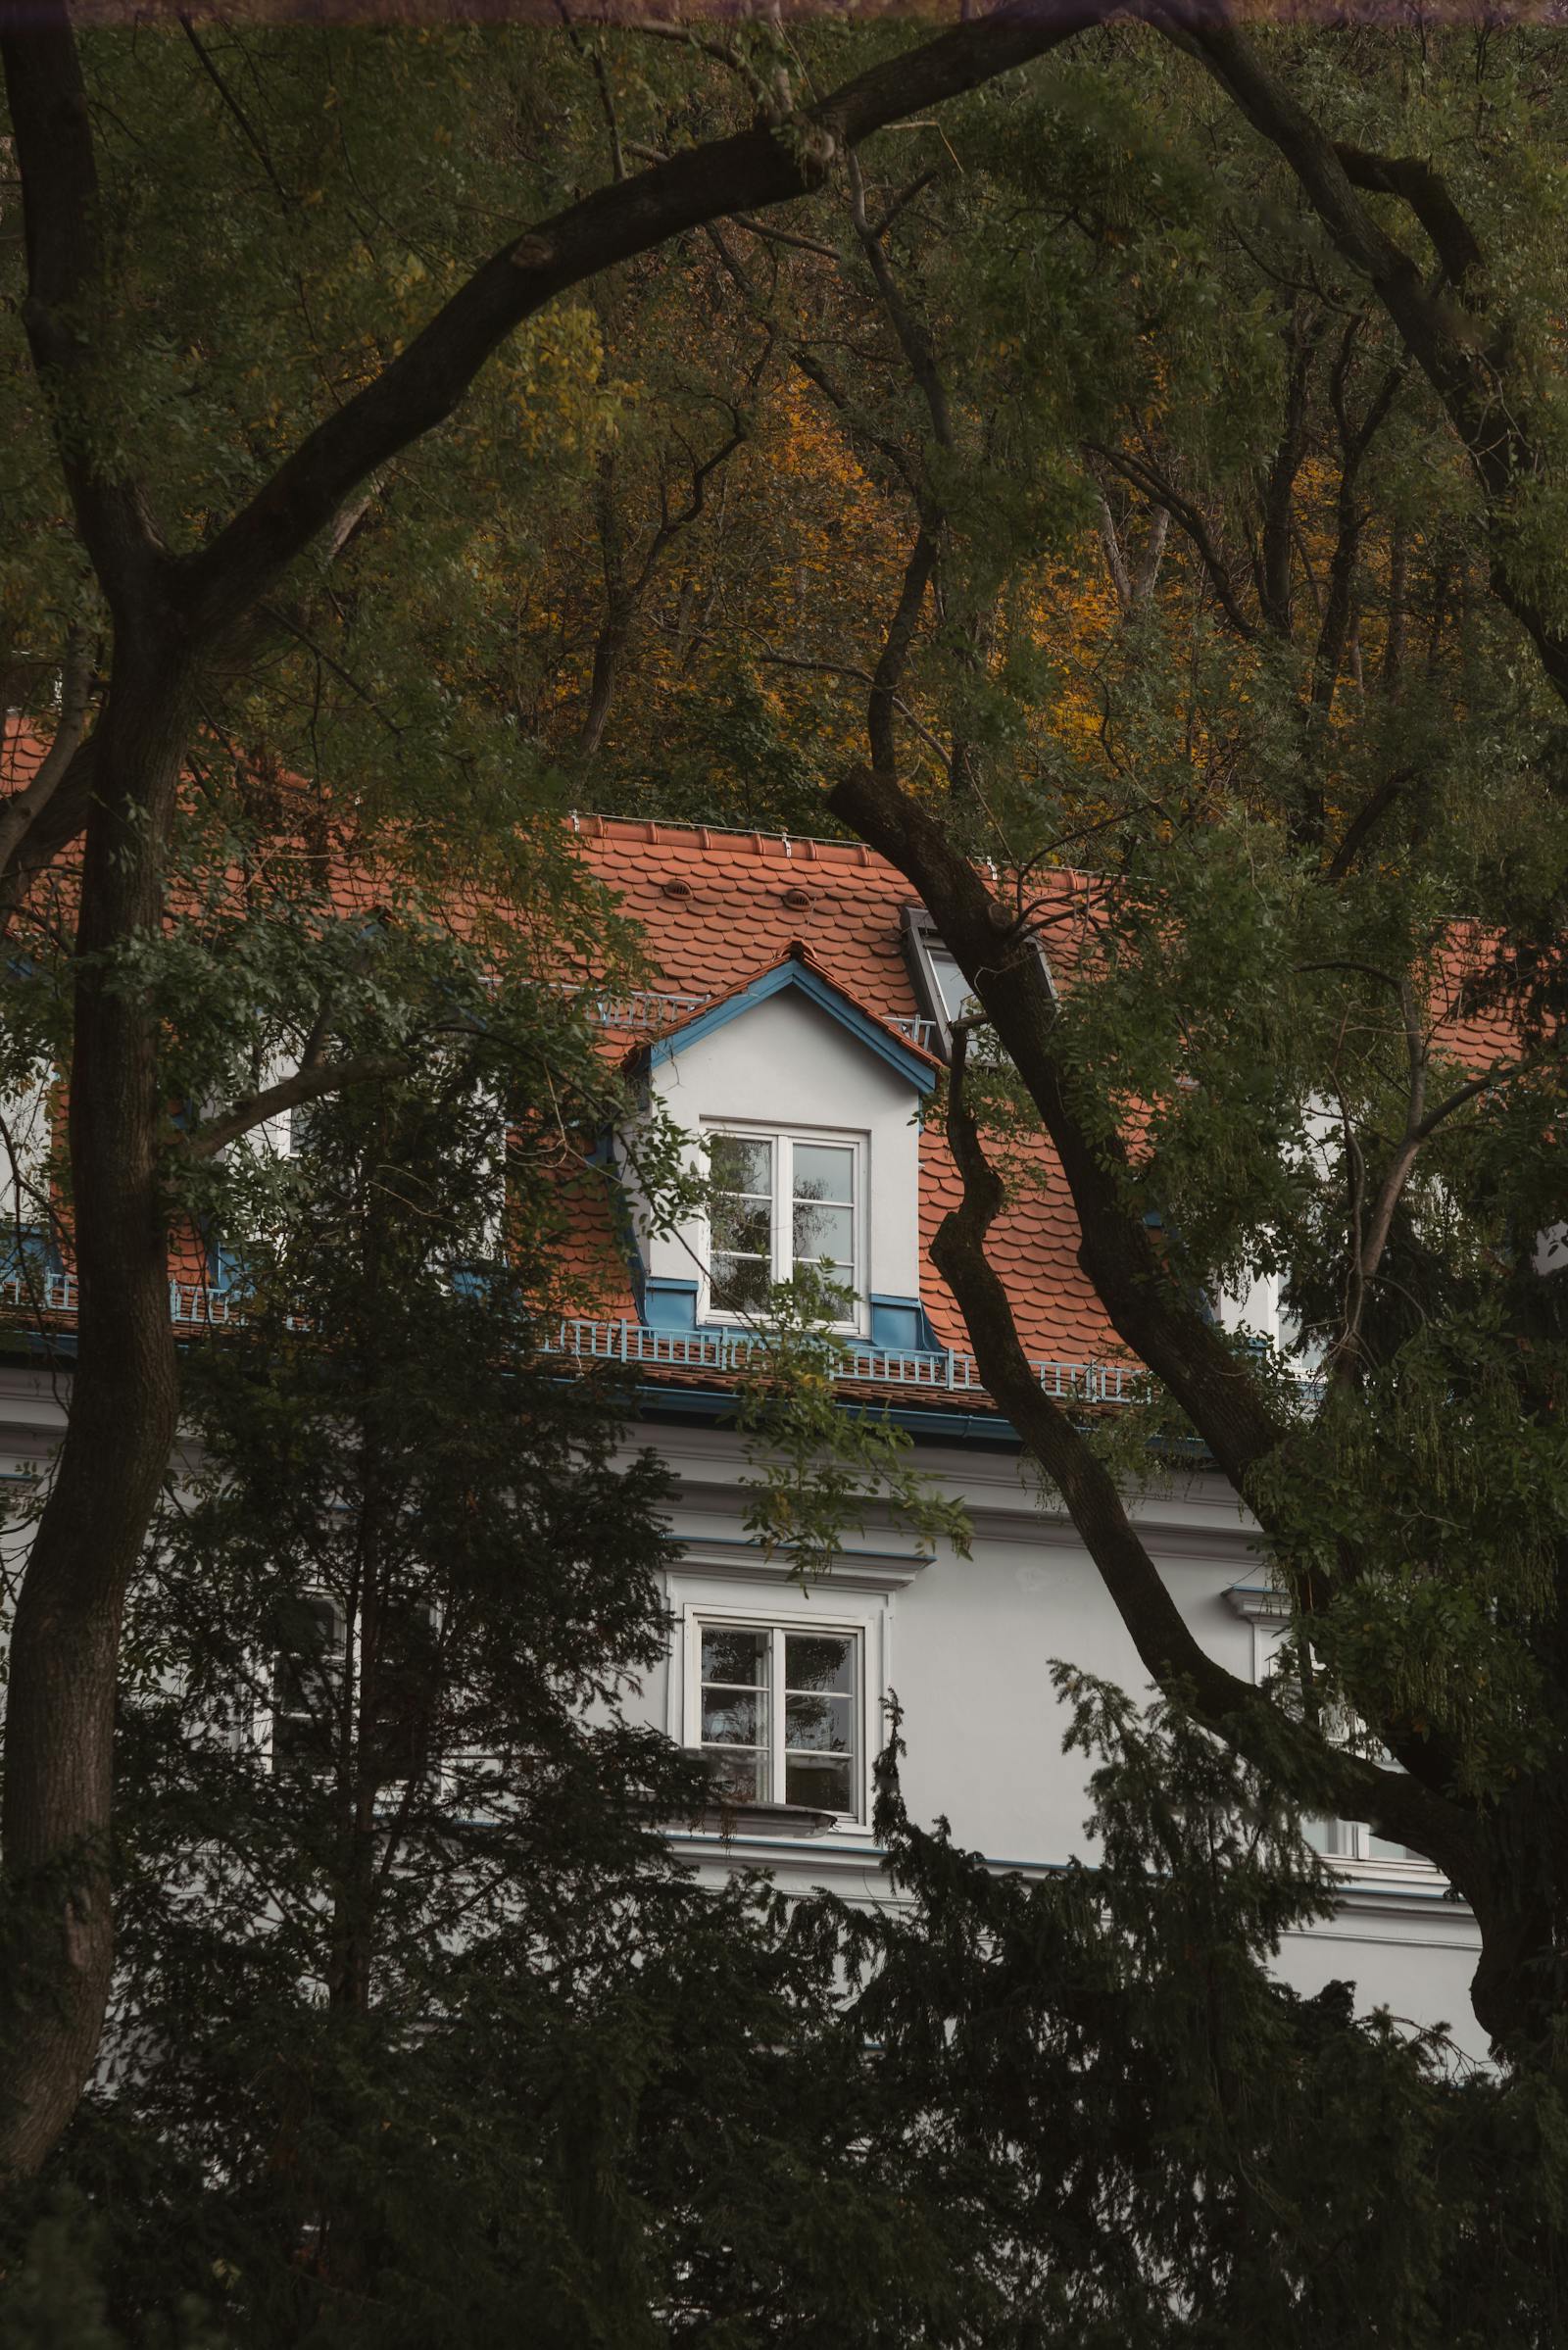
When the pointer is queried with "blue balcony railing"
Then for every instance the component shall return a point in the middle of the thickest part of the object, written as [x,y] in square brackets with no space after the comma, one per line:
[938,1373]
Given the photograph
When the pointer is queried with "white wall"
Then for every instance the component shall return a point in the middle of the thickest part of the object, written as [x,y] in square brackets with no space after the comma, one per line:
[969,1646]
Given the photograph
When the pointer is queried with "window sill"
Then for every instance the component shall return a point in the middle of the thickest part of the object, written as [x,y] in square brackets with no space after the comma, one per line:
[786,1823]
[853,1334]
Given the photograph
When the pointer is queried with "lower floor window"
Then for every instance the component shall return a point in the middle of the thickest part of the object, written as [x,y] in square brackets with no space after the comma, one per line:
[306,1679]
[778,1715]
[1354,1840]
[394,1693]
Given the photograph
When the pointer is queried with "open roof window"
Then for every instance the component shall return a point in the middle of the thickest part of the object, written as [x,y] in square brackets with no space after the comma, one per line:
[943,992]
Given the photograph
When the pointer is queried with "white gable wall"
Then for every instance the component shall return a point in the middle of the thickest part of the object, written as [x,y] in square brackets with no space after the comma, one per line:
[788,1063]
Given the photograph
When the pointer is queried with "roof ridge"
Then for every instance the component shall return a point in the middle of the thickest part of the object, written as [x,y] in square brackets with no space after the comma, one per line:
[660,831]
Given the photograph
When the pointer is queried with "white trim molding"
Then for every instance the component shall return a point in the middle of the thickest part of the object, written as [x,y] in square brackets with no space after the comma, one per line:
[878,1571]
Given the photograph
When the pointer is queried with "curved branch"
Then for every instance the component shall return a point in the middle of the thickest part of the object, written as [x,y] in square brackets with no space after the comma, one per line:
[21,812]
[1175,1658]
[305,1085]
[1425,191]
[1148,1307]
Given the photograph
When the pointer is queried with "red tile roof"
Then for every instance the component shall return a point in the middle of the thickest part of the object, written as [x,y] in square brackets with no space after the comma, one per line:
[740,911]
[720,907]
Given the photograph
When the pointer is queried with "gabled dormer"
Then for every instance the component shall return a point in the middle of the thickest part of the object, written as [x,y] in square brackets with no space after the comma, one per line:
[804,1107]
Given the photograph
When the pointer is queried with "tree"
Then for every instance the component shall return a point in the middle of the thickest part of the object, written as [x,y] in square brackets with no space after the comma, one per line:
[1318,1029]
[188,574]
[220,501]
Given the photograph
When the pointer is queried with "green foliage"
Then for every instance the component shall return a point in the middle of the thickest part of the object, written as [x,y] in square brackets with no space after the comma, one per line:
[1077,2110]
[824,1470]
[1165,2144]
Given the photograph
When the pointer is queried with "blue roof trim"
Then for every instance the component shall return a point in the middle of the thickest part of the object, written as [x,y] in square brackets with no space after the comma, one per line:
[911,1066]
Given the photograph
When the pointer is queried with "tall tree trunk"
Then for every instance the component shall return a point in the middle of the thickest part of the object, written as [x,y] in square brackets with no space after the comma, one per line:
[61,1707]
[609,651]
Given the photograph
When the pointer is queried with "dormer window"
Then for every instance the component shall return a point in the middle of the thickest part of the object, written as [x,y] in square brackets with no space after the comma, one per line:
[783,1201]
[25,1143]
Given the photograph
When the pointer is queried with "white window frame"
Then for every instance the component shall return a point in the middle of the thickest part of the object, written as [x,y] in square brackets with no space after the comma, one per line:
[25,1157]
[925,943]
[1347,1844]
[344,1658]
[783,1140]
[334,1664]
[701,1616]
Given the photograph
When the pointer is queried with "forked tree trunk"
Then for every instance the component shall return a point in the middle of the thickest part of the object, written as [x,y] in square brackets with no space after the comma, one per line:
[65,1639]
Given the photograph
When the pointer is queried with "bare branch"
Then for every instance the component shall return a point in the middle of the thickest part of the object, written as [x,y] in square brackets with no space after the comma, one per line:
[232,106]
[1161,492]
[913,340]
[1115,560]
[1440,334]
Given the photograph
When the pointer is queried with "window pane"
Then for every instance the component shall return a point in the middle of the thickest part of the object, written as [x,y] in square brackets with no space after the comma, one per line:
[813,1662]
[741,1284]
[743,1227]
[952,985]
[817,1725]
[734,1717]
[739,1658]
[823,1233]
[305,1671]
[399,1690]
[825,1171]
[737,1162]
[743,1778]
[1379,1849]
[821,1785]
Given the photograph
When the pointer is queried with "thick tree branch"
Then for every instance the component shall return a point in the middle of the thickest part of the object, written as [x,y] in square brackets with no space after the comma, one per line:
[1175,1658]
[1366,819]
[62,231]
[1158,1321]
[305,1085]
[1424,190]
[895,653]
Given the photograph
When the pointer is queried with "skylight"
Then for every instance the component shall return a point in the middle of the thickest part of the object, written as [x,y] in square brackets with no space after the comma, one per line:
[943,992]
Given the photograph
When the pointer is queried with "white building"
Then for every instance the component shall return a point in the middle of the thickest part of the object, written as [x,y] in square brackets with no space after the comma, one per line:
[805,1014]
[797,1033]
